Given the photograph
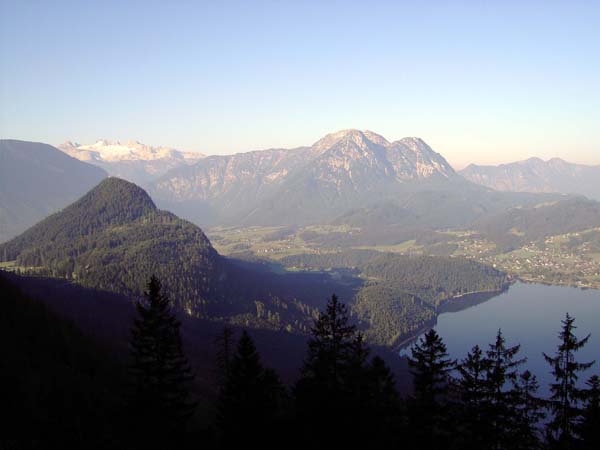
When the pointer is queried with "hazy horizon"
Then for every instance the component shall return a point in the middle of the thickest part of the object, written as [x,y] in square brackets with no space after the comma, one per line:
[456,165]
[480,83]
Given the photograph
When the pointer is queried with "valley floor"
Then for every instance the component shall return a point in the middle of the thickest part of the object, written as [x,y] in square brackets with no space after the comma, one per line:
[571,259]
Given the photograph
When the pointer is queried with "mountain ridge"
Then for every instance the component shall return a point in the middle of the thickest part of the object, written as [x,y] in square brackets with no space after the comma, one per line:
[132,160]
[536,175]
[37,179]
[339,171]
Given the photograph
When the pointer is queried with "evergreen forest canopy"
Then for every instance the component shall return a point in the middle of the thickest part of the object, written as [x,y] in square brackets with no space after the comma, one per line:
[401,293]
[343,396]
[114,237]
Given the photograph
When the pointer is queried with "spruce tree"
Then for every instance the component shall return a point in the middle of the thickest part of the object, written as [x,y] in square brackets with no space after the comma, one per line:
[250,400]
[590,424]
[384,396]
[502,369]
[224,343]
[383,410]
[431,369]
[473,393]
[370,398]
[356,376]
[331,388]
[528,412]
[160,372]
[331,348]
[566,396]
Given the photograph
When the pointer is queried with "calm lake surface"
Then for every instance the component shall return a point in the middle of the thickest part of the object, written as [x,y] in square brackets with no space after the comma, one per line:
[530,315]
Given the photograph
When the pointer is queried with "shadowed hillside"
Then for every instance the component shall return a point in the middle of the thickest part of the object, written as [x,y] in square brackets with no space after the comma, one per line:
[36,180]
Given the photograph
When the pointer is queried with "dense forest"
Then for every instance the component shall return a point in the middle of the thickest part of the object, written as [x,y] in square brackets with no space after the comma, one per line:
[518,226]
[400,294]
[114,237]
[62,389]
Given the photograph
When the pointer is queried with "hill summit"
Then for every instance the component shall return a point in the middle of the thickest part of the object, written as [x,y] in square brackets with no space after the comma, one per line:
[114,239]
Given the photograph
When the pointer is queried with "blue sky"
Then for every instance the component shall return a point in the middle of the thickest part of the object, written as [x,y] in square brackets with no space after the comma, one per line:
[481,82]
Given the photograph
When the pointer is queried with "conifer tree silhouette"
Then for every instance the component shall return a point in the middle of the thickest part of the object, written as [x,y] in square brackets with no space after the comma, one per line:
[566,397]
[431,369]
[501,370]
[473,396]
[383,410]
[333,383]
[590,424]
[528,411]
[160,371]
[224,343]
[250,400]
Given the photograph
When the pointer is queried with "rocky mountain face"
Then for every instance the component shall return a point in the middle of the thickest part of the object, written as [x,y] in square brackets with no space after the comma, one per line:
[37,180]
[343,170]
[131,160]
[536,175]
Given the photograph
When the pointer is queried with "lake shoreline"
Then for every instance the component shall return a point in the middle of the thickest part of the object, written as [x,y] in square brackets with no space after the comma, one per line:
[479,297]
[555,283]
[530,316]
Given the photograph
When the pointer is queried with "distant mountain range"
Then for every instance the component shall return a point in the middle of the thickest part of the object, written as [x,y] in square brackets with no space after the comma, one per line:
[349,177]
[518,226]
[131,160]
[536,175]
[336,179]
[36,180]
[339,167]
[345,170]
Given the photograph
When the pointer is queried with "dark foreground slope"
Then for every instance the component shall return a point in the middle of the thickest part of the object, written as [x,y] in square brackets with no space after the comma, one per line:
[36,180]
[62,388]
[58,387]
[107,318]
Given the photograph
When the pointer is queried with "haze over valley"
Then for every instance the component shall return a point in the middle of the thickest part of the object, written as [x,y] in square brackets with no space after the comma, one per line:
[300,225]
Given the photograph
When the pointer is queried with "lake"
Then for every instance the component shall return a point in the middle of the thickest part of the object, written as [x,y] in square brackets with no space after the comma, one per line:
[530,315]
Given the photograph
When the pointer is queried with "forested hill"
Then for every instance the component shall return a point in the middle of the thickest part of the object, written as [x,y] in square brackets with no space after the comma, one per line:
[113,202]
[518,226]
[434,279]
[400,294]
[114,239]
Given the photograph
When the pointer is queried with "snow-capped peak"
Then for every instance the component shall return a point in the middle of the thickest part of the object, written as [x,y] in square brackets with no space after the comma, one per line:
[104,150]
